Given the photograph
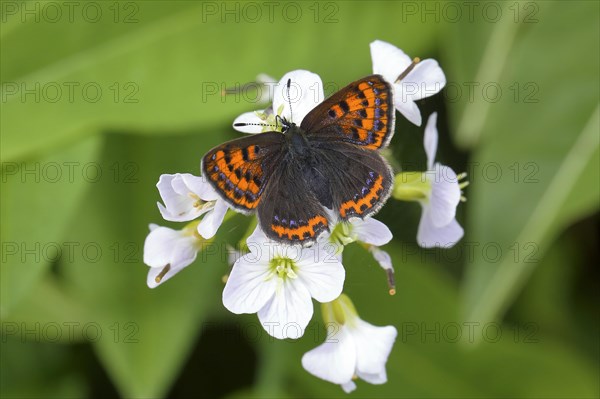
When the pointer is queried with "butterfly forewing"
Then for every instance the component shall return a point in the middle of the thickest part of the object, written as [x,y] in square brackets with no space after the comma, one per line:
[362,113]
[240,169]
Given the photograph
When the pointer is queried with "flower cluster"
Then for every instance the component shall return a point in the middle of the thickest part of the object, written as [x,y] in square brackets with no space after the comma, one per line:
[279,281]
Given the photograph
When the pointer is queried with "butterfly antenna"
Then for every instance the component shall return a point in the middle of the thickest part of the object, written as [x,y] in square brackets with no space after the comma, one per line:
[289,83]
[239,124]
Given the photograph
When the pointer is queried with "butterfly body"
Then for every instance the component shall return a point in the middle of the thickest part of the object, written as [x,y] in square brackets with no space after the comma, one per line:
[297,142]
[328,167]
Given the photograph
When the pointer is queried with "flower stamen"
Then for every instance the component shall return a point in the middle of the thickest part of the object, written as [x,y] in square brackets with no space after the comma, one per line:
[162,273]
[283,267]
[391,281]
[412,66]
[462,185]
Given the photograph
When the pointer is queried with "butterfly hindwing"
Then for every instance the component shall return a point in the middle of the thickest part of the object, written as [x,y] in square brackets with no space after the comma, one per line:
[240,169]
[362,113]
[360,180]
[290,211]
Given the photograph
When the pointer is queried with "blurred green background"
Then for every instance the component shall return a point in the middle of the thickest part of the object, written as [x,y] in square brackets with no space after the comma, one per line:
[100,98]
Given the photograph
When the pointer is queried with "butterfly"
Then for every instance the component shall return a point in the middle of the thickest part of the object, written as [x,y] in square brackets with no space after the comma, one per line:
[301,180]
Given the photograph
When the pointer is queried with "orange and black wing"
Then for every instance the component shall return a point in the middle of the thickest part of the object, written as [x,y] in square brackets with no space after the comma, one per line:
[239,170]
[361,113]
[360,180]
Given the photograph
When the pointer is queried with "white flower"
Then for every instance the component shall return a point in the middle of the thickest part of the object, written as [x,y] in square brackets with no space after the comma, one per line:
[305,92]
[188,197]
[418,79]
[169,251]
[277,282]
[353,348]
[438,226]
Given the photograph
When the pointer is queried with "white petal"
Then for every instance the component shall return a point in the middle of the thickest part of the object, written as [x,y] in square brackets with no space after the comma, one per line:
[349,386]
[164,212]
[165,246]
[445,195]
[377,378]
[178,184]
[288,312]
[407,107]
[211,222]
[427,77]
[371,231]
[160,243]
[321,273]
[197,185]
[373,346]
[382,257]
[305,93]
[248,289]
[429,235]
[257,238]
[252,119]
[191,214]
[334,360]
[260,245]
[177,208]
[430,139]
[177,193]
[388,60]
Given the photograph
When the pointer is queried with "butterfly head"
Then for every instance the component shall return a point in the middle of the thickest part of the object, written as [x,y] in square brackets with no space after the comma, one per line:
[284,123]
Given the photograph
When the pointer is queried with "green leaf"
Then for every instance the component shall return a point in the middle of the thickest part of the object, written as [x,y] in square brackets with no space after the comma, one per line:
[491,38]
[554,296]
[166,71]
[38,196]
[51,310]
[536,170]
[38,370]
[145,335]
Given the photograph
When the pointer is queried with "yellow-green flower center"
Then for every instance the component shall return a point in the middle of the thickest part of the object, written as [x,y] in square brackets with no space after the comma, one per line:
[200,204]
[283,268]
[342,235]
